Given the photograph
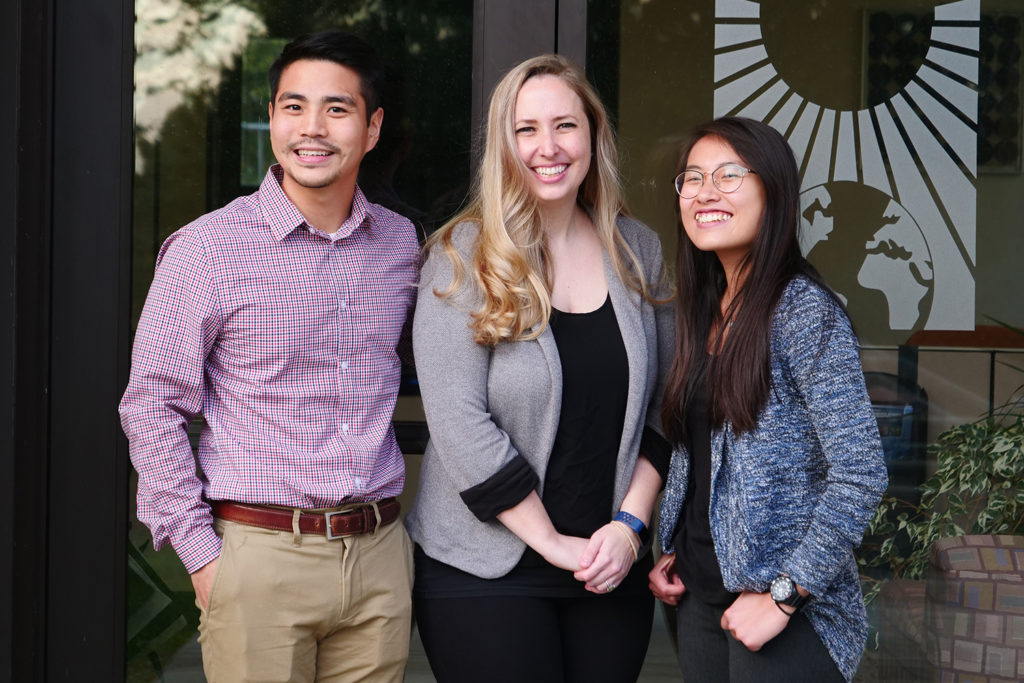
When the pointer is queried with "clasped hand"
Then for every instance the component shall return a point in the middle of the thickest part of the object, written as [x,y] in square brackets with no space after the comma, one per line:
[607,558]
[601,562]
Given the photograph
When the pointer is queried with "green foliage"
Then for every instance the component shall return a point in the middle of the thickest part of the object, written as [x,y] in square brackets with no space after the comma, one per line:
[978,488]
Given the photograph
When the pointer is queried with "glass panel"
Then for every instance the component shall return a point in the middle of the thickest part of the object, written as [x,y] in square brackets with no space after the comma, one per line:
[905,117]
[201,140]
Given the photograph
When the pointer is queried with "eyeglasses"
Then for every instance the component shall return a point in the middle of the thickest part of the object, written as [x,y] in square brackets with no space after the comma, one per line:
[727,178]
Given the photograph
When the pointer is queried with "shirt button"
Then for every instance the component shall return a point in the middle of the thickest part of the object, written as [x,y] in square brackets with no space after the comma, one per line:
[344,365]
[344,428]
[344,304]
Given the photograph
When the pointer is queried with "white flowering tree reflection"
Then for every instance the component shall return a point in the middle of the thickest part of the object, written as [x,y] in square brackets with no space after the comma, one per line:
[183,50]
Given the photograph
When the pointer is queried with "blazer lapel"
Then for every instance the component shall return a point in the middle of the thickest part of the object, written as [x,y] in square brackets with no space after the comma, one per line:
[549,348]
[627,313]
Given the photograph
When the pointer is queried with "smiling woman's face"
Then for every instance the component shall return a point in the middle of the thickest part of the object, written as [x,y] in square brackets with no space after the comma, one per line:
[553,138]
[725,223]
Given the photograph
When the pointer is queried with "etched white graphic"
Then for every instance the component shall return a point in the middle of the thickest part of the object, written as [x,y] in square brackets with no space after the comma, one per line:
[913,156]
[890,272]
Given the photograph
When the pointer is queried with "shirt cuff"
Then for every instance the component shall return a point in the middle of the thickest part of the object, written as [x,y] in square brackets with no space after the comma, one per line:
[504,489]
[657,450]
[199,550]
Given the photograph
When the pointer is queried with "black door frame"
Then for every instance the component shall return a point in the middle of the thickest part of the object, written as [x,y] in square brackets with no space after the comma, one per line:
[25,191]
[67,194]
[66,199]
[506,33]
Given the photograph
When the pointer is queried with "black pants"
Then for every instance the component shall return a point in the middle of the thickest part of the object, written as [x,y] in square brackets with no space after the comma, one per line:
[537,640]
[707,654]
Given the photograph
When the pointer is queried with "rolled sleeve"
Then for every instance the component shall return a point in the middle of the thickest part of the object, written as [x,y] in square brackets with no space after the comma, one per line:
[505,489]
[657,450]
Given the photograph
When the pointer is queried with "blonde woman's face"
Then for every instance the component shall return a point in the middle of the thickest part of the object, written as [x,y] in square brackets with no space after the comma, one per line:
[553,138]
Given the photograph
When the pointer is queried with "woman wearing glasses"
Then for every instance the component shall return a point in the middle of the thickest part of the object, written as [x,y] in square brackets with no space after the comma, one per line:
[778,464]
[541,349]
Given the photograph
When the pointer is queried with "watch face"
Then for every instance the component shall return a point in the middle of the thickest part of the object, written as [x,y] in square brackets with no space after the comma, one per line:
[781,588]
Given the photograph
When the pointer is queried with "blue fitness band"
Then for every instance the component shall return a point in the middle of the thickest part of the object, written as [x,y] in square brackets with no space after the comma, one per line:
[634,523]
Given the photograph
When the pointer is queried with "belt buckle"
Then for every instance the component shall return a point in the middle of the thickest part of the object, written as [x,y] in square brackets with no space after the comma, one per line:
[364,511]
[331,536]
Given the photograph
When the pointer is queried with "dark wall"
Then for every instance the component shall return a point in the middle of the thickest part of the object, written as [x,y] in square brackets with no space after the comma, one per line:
[25,130]
[65,198]
[8,213]
[91,276]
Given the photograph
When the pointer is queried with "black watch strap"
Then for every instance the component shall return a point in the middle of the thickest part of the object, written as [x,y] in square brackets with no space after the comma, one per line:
[783,591]
[796,600]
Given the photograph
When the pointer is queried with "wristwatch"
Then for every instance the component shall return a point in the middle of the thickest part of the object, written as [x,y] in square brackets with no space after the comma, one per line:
[784,592]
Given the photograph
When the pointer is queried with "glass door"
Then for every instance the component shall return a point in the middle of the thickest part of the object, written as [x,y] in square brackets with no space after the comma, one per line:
[905,118]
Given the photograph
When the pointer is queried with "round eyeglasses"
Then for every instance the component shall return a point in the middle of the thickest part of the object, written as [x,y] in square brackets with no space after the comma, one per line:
[727,178]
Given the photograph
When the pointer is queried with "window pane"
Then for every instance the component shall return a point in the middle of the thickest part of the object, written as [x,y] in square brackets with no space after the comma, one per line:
[905,118]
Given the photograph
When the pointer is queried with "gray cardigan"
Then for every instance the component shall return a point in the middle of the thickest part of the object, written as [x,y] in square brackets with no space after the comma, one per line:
[486,406]
[794,495]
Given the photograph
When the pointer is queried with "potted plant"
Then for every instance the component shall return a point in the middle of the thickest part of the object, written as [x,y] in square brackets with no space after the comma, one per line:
[978,488]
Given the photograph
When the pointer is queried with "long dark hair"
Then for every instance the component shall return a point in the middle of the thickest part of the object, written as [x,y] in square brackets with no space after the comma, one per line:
[738,375]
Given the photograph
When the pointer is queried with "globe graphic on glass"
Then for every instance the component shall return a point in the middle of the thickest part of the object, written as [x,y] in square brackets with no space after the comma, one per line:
[872,254]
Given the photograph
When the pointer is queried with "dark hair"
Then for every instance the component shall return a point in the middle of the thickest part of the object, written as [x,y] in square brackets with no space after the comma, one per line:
[738,375]
[344,49]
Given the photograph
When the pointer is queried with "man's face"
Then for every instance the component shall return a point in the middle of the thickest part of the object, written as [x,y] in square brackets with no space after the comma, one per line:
[318,126]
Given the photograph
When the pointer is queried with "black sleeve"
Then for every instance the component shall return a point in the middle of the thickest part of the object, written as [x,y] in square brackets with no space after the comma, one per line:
[657,450]
[504,489]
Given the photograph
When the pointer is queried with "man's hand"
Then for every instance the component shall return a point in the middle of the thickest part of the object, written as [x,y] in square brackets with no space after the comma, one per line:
[754,619]
[665,582]
[202,582]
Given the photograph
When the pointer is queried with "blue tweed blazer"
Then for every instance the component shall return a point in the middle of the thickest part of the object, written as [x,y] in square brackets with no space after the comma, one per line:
[795,495]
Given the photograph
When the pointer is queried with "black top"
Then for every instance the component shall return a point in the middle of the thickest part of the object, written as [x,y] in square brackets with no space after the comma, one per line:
[696,562]
[579,484]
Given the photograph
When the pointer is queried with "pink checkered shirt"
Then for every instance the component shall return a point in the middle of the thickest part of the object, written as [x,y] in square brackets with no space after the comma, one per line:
[285,339]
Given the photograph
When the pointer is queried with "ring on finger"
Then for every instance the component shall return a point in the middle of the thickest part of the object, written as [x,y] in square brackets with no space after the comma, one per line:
[609,587]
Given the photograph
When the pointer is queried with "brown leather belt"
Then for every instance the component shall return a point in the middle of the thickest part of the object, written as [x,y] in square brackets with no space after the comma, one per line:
[367,517]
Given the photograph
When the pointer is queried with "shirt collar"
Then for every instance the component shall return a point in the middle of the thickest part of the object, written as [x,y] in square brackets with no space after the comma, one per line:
[284,217]
[360,215]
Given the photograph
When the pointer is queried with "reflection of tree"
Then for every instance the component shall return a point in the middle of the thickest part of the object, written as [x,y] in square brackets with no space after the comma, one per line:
[182,49]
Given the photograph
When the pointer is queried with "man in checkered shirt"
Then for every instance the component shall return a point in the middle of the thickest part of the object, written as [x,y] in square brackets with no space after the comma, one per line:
[279,318]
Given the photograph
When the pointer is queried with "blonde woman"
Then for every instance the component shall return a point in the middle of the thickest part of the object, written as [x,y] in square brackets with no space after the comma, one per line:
[541,346]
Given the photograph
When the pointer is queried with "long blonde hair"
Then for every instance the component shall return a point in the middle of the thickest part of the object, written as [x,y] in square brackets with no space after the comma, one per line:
[510,257]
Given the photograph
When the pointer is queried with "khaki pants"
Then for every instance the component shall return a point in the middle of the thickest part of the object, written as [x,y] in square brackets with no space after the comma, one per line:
[298,607]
